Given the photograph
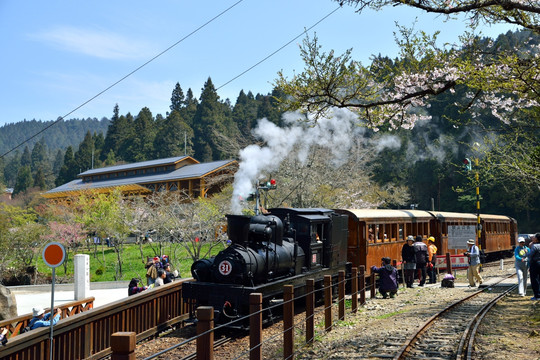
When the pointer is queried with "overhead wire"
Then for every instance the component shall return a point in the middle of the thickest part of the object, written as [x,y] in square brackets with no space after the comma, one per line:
[123,78]
[163,52]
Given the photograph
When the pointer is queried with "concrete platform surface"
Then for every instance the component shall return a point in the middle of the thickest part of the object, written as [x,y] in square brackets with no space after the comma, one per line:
[31,296]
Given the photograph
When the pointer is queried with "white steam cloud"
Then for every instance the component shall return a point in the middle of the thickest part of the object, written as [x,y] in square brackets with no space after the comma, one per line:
[333,133]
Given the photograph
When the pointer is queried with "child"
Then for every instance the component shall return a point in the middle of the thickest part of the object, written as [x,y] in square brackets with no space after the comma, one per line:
[387,278]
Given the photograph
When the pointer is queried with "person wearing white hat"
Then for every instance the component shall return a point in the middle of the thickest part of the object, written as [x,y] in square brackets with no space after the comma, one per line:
[474,263]
[521,254]
[41,319]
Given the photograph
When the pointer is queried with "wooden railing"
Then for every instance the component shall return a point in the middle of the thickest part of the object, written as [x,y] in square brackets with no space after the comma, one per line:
[87,335]
[16,324]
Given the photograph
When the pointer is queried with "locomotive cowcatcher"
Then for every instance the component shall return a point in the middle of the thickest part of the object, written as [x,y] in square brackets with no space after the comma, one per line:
[285,246]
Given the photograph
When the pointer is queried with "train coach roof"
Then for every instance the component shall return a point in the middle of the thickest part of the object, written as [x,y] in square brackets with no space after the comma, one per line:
[494,217]
[453,215]
[374,214]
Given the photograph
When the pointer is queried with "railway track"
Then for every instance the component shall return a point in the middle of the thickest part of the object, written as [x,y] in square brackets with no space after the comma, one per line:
[449,334]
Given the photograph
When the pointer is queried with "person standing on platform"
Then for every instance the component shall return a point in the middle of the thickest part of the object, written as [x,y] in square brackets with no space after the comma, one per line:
[473,254]
[534,265]
[521,254]
[409,261]
[421,252]
[432,261]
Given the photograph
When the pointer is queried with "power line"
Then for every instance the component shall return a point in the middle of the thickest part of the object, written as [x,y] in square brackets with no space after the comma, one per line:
[166,50]
[123,78]
[281,48]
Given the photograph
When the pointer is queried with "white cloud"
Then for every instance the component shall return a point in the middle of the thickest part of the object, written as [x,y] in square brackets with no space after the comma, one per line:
[97,43]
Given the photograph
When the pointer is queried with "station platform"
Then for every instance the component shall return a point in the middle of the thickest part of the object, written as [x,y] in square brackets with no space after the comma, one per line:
[30,296]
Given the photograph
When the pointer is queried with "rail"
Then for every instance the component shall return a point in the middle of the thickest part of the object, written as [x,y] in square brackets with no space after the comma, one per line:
[87,335]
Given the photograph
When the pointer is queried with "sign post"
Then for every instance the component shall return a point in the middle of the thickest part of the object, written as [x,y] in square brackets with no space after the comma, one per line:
[54,255]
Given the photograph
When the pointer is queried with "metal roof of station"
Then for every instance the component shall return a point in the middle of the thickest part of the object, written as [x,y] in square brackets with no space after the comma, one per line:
[183,173]
[137,165]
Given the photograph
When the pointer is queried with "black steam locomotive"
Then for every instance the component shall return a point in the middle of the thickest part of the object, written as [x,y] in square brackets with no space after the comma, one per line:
[266,252]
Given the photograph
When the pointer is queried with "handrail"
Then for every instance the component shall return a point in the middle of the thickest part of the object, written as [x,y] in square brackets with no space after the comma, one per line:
[87,335]
[16,324]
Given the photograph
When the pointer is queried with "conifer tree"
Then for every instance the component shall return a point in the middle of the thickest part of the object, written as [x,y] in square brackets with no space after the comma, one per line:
[83,156]
[142,145]
[69,169]
[24,180]
[26,157]
[170,138]
[177,98]
[212,115]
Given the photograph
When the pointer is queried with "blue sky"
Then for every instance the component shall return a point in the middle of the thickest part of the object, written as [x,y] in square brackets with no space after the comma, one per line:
[56,55]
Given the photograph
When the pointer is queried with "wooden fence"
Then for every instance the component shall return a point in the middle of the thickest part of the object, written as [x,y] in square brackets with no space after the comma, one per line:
[16,324]
[87,335]
[205,315]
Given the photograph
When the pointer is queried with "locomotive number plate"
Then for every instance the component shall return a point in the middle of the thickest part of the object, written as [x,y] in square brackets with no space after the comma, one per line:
[225,268]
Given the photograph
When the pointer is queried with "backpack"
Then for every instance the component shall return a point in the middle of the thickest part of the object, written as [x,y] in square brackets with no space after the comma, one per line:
[483,257]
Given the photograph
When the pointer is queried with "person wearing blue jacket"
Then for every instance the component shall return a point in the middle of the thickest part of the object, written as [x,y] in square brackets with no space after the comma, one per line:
[41,319]
[388,275]
[521,255]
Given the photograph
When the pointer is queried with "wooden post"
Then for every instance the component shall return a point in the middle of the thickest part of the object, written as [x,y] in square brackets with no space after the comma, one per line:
[310,309]
[328,302]
[205,343]
[354,290]
[372,285]
[288,321]
[341,295]
[123,345]
[362,282]
[448,264]
[255,326]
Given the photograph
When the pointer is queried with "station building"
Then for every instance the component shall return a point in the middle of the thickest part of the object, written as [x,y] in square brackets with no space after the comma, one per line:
[142,178]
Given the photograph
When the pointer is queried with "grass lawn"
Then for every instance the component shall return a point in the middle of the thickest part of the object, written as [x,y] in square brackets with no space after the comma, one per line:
[104,262]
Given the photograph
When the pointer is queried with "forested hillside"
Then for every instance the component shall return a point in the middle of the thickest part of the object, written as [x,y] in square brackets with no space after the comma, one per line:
[386,167]
[59,136]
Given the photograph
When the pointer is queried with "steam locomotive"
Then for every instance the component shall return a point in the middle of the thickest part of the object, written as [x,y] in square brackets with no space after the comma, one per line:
[267,251]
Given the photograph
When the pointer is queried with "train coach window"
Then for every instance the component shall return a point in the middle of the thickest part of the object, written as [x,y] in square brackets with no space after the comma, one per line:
[371,233]
[393,232]
[401,235]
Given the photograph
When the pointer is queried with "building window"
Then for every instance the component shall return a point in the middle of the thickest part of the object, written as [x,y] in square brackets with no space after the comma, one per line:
[173,186]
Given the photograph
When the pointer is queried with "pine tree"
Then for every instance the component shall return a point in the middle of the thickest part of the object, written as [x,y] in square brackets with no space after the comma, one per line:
[188,112]
[39,179]
[169,140]
[142,145]
[245,112]
[58,161]
[26,158]
[24,180]
[39,154]
[83,156]
[69,170]
[177,98]
[212,115]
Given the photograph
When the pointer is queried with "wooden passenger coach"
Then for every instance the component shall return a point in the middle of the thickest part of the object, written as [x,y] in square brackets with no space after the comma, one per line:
[499,234]
[378,233]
